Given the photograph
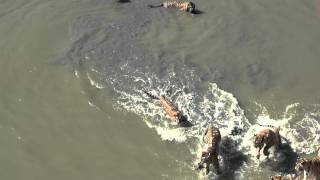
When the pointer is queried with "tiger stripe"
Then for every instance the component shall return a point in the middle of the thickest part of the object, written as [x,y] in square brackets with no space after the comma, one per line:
[183,6]
[212,138]
[309,166]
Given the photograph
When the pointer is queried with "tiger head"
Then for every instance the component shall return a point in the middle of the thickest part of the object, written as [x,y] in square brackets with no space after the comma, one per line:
[258,141]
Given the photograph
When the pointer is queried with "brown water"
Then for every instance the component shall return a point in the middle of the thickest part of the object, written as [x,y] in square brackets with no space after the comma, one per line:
[265,52]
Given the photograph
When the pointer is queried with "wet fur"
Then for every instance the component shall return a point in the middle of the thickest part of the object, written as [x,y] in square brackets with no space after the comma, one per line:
[268,138]
[182,6]
[175,115]
[212,137]
[310,166]
[279,177]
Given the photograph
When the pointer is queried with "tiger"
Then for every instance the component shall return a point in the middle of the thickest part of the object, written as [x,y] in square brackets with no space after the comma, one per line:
[183,6]
[276,177]
[268,137]
[175,115]
[309,166]
[212,138]
[279,177]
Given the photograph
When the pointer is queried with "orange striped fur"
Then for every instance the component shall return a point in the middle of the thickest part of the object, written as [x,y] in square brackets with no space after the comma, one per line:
[310,167]
[183,6]
[212,138]
[268,137]
[171,110]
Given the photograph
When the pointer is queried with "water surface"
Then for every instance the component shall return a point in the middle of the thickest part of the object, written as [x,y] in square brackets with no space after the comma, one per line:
[72,75]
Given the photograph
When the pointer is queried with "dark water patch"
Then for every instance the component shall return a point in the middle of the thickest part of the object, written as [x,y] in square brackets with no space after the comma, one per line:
[232,158]
[197,11]
[284,160]
[123,1]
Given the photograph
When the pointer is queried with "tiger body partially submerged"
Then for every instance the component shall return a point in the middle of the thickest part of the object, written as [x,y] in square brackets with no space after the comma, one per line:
[182,6]
[310,167]
[266,138]
[172,111]
[212,138]
[286,177]
[175,115]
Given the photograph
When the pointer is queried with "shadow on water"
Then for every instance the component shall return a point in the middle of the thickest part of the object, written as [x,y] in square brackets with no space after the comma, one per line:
[284,159]
[197,12]
[232,158]
[123,1]
[288,159]
[184,122]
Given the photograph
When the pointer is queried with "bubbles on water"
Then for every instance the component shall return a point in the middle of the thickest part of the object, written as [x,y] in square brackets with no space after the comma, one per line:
[299,125]
[129,71]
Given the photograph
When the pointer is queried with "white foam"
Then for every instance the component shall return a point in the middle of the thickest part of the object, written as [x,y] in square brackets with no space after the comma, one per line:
[169,134]
[219,108]
[94,83]
[302,134]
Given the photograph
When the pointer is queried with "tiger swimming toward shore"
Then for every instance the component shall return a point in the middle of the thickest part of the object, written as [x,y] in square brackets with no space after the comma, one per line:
[310,166]
[268,137]
[212,138]
[175,115]
[183,6]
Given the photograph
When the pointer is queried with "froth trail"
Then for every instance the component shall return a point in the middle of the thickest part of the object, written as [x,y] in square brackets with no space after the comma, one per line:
[107,53]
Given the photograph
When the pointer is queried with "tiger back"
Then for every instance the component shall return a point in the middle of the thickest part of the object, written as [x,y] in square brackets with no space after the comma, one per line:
[268,137]
[171,110]
[309,166]
[212,138]
[285,177]
[183,6]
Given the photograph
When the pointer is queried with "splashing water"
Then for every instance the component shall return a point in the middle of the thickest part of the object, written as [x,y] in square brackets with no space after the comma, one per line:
[129,71]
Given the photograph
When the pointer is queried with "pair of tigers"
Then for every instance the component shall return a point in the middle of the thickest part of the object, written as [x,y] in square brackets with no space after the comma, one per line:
[211,136]
[271,137]
[265,138]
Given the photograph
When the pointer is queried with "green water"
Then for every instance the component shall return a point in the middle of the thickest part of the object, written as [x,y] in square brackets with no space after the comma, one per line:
[48,129]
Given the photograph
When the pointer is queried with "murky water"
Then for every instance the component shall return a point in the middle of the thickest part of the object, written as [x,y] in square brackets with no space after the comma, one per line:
[72,75]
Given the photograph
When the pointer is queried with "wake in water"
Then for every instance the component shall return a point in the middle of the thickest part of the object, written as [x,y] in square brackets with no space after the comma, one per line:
[109,54]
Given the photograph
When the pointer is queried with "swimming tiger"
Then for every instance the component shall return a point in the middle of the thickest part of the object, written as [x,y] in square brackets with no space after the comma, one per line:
[183,6]
[268,137]
[276,177]
[310,166]
[279,177]
[175,115]
[212,138]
